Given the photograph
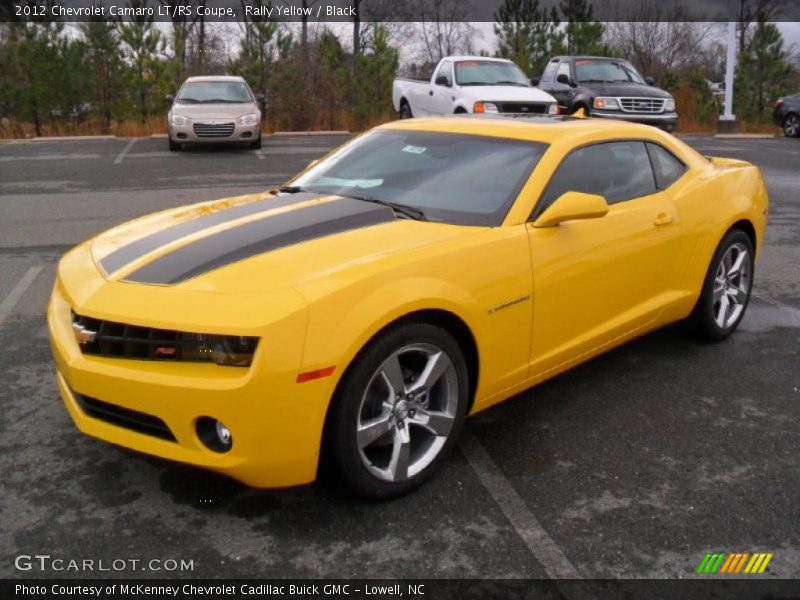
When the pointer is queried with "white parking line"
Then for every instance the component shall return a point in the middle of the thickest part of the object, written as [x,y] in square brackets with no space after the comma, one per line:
[22,286]
[260,155]
[124,151]
[538,541]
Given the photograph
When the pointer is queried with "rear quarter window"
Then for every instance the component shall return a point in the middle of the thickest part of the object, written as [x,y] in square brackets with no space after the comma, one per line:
[666,166]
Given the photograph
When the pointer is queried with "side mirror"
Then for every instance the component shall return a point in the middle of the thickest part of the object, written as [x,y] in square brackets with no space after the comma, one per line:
[170,98]
[442,80]
[649,81]
[564,78]
[572,206]
[260,98]
[534,81]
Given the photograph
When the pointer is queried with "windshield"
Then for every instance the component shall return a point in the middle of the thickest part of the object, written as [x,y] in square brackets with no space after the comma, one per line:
[453,178]
[209,92]
[606,71]
[489,72]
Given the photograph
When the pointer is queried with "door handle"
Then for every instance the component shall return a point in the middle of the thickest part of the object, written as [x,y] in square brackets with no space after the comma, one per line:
[430,93]
[663,219]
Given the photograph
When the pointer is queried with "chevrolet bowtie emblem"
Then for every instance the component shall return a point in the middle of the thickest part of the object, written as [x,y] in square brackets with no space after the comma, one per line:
[83,335]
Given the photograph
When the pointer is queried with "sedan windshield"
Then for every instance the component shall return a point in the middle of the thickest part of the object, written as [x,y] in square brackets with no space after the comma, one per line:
[606,71]
[489,72]
[453,178]
[211,92]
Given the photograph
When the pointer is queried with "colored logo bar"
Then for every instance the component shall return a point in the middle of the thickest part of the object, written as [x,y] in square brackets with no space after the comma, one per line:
[733,563]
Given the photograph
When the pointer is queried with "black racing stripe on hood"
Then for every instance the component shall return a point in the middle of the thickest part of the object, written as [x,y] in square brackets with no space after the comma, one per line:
[135,250]
[257,237]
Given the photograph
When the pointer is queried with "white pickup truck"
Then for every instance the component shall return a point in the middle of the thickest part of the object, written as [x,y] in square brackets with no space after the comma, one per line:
[471,84]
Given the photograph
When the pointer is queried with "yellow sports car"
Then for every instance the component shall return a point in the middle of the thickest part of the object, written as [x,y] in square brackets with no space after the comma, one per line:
[424,271]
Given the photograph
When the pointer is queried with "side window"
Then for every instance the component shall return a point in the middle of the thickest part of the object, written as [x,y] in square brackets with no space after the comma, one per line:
[563,68]
[667,168]
[618,171]
[549,72]
[445,70]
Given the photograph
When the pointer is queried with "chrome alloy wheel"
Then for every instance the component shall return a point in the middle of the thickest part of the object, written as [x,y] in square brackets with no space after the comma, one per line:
[407,412]
[791,126]
[731,286]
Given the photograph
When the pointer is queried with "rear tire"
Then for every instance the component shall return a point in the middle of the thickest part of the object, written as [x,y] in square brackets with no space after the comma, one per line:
[173,145]
[726,289]
[398,411]
[405,111]
[791,125]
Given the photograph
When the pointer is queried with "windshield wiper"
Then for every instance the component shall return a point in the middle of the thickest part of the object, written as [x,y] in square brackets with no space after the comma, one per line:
[412,212]
[510,83]
[193,100]
[475,83]
[290,189]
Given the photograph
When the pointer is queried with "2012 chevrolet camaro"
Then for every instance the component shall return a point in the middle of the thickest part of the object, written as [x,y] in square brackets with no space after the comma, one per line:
[424,271]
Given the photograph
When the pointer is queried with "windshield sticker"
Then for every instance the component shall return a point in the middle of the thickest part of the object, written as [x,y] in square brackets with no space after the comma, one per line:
[468,63]
[415,149]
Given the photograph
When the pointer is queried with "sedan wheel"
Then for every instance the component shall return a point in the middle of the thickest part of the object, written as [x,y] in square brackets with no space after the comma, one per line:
[791,125]
[726,289]
[398,411]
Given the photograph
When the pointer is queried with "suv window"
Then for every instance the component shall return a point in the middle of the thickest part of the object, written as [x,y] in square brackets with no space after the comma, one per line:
[445,70]
[666,167]
[618,171]
[549,74]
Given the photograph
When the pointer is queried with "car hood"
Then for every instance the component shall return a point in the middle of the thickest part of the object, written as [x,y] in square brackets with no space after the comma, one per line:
[506,93]
[213,111]
[261,243]
[625,89]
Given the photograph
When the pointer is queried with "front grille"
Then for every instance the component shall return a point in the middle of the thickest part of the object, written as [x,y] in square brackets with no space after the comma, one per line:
[209,130]
[642,105]
[124,417]
[118,340]
[530,108]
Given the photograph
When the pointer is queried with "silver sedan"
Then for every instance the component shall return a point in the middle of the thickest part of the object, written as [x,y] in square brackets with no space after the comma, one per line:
[214,109]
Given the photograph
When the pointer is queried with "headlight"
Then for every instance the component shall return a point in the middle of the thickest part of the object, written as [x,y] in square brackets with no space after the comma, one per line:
[552,109]
[485,107]
[227,350]
[669,105]
[250,119]
[604,103]
[179,120]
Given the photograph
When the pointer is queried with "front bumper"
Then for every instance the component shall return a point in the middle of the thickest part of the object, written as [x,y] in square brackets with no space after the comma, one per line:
[276,423]
[666,121]
[239,133]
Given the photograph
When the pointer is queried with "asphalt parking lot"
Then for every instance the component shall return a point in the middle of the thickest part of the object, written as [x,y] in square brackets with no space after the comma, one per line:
[633,465]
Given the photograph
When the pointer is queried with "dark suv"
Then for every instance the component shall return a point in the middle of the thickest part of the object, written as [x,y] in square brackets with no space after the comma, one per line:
[787,115]
[607,87]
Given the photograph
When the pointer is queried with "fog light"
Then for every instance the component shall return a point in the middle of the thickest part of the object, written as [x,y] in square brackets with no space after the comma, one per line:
[214,434]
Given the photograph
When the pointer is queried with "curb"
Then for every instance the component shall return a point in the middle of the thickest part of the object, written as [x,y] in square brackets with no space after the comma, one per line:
[158,136]
[744,136]
[71,138]
[291,133]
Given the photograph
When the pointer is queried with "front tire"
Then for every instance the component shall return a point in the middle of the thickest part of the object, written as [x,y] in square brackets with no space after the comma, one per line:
[173,145]
[791,125]
[726,289]
[398,411]
[256,145]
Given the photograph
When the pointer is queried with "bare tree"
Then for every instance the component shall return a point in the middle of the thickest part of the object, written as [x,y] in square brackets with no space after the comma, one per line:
[749,11]
[442,29]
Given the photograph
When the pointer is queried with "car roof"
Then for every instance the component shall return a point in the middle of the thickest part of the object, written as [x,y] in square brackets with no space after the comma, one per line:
[475,57]
[536,128]
[215,78]
[588,57]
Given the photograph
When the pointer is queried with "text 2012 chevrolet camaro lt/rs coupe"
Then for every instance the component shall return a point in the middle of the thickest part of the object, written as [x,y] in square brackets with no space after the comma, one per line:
[424,271]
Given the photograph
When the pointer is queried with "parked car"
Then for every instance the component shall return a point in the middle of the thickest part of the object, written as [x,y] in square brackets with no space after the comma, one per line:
[214,109]
[786,114]
[360,312]
[608,87]
[470,84]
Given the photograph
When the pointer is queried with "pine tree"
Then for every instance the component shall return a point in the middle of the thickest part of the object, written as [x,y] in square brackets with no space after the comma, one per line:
[583,35]
[527,34]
